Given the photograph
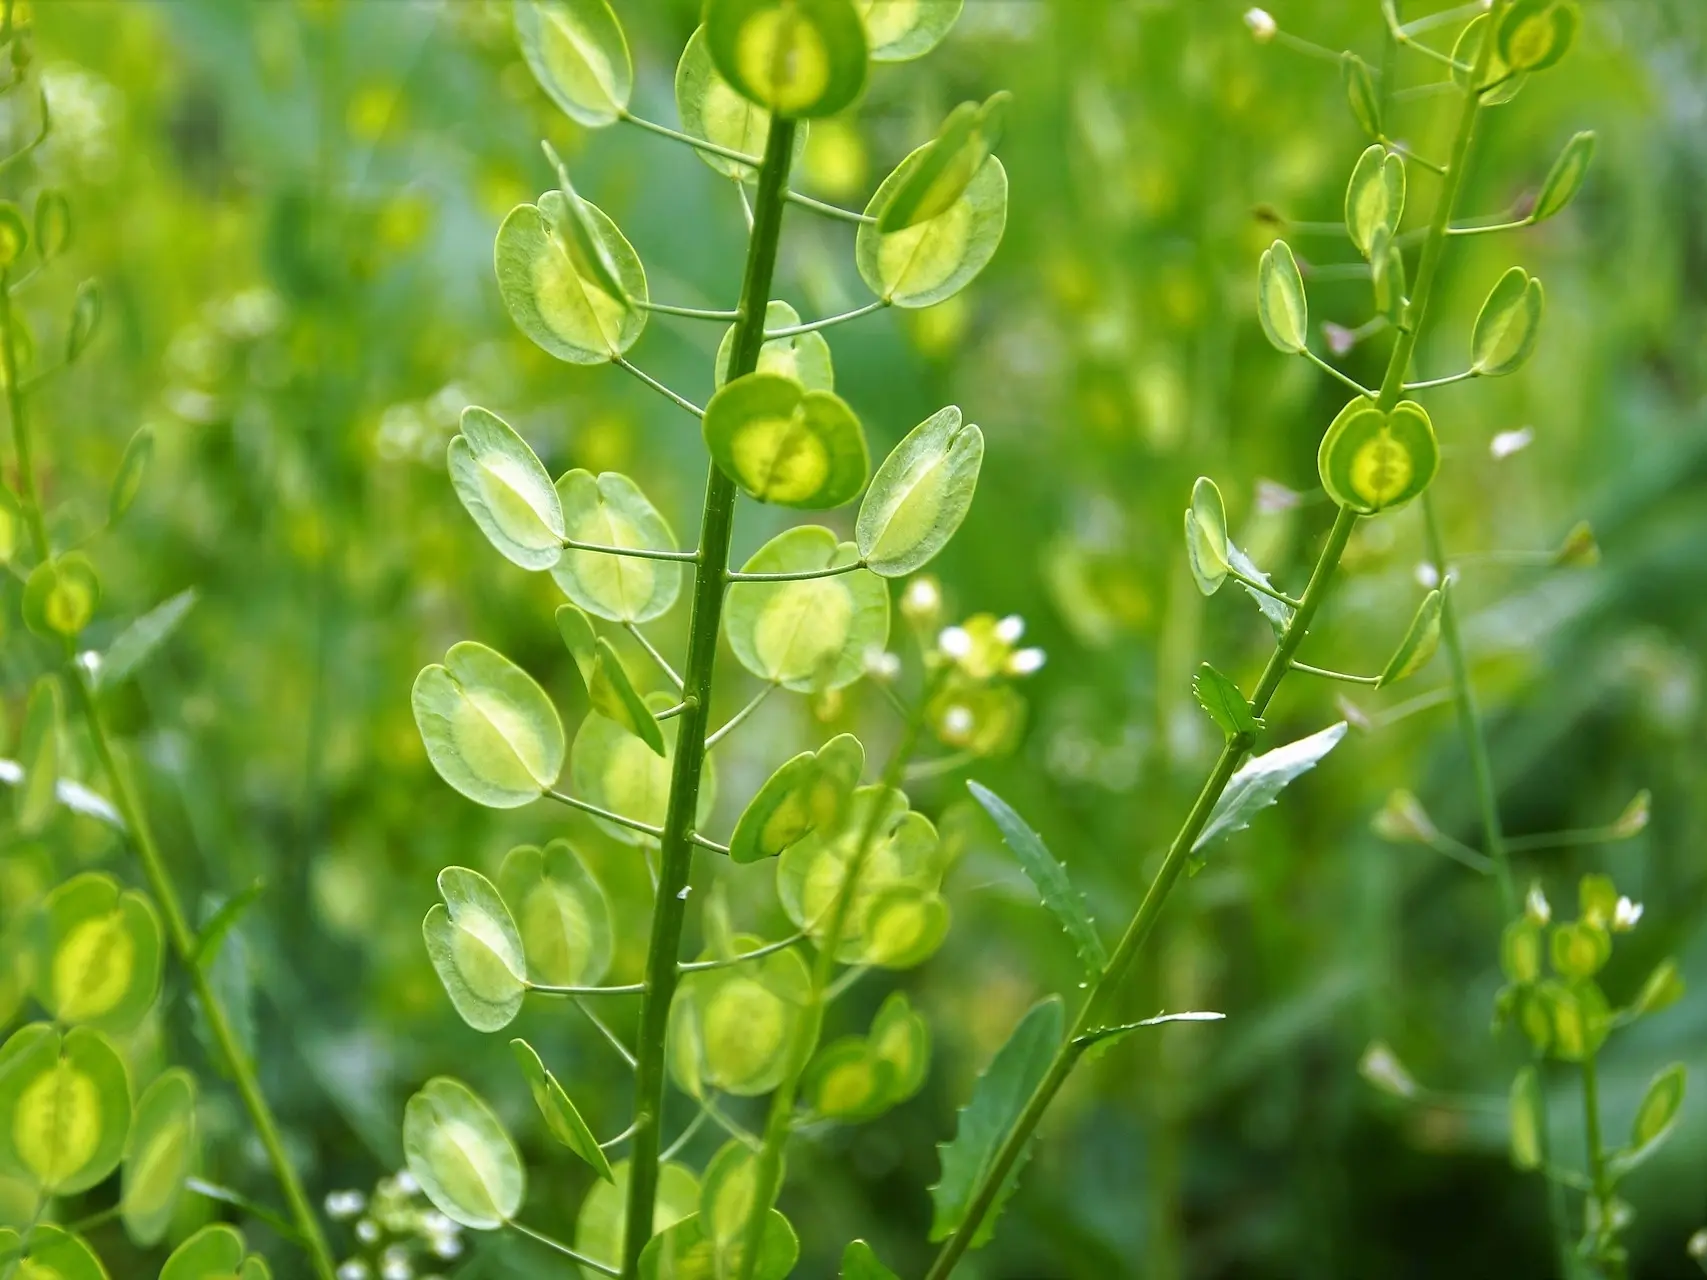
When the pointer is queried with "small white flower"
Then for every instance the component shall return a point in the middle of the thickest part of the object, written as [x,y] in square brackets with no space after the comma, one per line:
[880,664]
[1262,25]
[447,1246]
[405,1182]
[957,722]
[1010,629]
[922,598]
[955,642]
[435,1223]
[1428,576]
[1625,915]
[1507,443]
[396,1267]
[367,1231]
[1536,907]
[354,1269]
[344,1204]
[1026,661]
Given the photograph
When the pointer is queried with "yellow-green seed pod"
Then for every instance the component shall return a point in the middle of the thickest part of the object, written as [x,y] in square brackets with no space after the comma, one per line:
[609,688]
[784,444]
[901,30]
[613,769]
[686,1252]
[51,1253]
[1371,461]
[476,950]
[1565,178]
[799,58]
[846,1082]
[489,728]
[610,510]
[948,164]
[1658,1113]
[98,953]
[934,259]
[502,483]
[902,1038]
[217,1250]
[1361,94]
[1525,1113]
[746,1019]
[1507,325]
[711,110]
[462,1156]
[561,308]
[800,357]
[561,913]
[920,494]
[1579,949]
[1281,303]
[1206,536]
[1505,80]
[1375,197]
[578,53]
[159,1153]
[14,235]
[60,596]
[1537,34]
[64,1107]
[603,1216]
[1420,642]
[727,1193]
[809,793]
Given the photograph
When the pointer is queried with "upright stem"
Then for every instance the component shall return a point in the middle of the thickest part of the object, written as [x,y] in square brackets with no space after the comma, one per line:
[1598,1174]
[677,847]
[1234,752]
[129,805]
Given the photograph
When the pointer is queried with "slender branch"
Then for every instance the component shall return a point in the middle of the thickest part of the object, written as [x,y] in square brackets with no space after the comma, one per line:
[793,575]
[1597,1166]
[620,1138]
[1327,368]
[1309,48]
[30,147]
[1421,161]
[920,770]
[1304,668]
[621,820]
[610,1036]
[1489,227]
[734,1128]
[681,402]
[701,966]
[1564,839]
[237,1200]
[829,210]
[670,1152]
[546,989]
[1263,589]
[687,139]
[687,313]
[662,662]
[736,720]
[670,713]
[1444,18]
[557,1246]
[1447,381]
[812,326]
[634,553]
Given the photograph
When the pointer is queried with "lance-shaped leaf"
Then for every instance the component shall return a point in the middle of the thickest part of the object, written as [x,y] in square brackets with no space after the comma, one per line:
[936,258]
[1260,781]
[1281,304]
[51,1253]
[609,689]
[813,634]
[1227,707]
[901,30]
[685,1251]
[159,1154]
[784,444]
[562,1121]
[949,163]
[1506,81]
[801,58]
[859,1262]
[38,753]
[1206,546]
[133,468]
[1565,178]
[1536,34]
[1419,644]
[98,953]
[1507,325]
[561,913]
[489,729]
[609,510]
[808,793]
[579,55]
[60,596]
[997,1100]
[505,487]
[1360,93]
[920,494]
[1047,875]
[1656,1117]
[603,1215]
[476,950]
[734,1028]
[801,357]
[712,111]
[141,639]
[561,309]
[64,1108]
[1370,461]
[1375,197]
[1525,1119]
[462,1156]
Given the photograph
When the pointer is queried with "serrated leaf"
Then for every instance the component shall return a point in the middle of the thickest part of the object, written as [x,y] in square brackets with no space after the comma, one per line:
[1259,783]
[1227,707]
[860,1262]
[1279,614]
[137,643]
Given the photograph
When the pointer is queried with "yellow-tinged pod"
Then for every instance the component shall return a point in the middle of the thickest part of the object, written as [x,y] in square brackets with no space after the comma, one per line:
[1371,461]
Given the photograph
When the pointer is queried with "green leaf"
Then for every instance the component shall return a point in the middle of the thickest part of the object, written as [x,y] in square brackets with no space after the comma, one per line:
[1565,178]
[137,643]
[559,308]
[603,1216]
[784,444]
[98,953]
[158,1155]
[901,30]
[802,357]
[609,510]
[14,235]
[1227,707]
[38,752]
[1656,1117]
[60,596]
[476,950]
[948,164]
[1419,644]
[920,494]
[1526,1127]
[1375,197]
[813,634]
[683,1252]
[609,689]
[561,913]
[998,1097]
[212,1253]
[859,1262]
[489,729]
[210,940]
[801,58]
[613,769]
[461,1155]
[1206,546]
[579,55]
[64,1108]
[934,259]
[1361,94]
[505,487]
[52,1254]
[1464,51]
[1536,34]
[562,1120]
[741,1023]
[712,111]
[1279,615]
[1281,303]
[1508,325]
[53,224]
[1371,461]
[808,793]
[133,468]
[1260,781]
[1047,875]
[1107,1035]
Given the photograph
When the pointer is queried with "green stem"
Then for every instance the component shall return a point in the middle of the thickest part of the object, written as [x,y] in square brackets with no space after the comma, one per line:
[1599,1176]
[676,856]
[830,210]
[1179,853]
[813,326]
[1344,677]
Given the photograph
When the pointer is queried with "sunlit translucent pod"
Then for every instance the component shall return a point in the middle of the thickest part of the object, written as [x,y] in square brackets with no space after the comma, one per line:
[504,486]
[935,259]
[1375,197]
[1537,34]
[611,510]
[811,792]
[490,730]
[561,309]
[562,1121]
[64,1108]
[60,596]
[560,912]
[920,494]
[609,688]
[133,469]
[799,58]
[98,953]
[1281,304]
[901,30]
[744,1020]
[726,1196]
[460,1153]
[52,1253]
[1371,461]
[901,1037]
[1504,81]
[215,1252]
[159,1153]
[578,53]
[685,1252]
[1421,640]
[845,1082]
[785,444]
[801,357]
[1206,536]
[603,1216]
[1572,1019]
[1508,325]
[1565,178]
[948,164]
[711,110]
[476,949]
[39,753]
[901,928]
[1578,949]
[611,768]
[813,634]
[14,234]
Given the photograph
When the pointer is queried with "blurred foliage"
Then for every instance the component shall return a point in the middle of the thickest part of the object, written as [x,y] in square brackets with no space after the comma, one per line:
[291,204]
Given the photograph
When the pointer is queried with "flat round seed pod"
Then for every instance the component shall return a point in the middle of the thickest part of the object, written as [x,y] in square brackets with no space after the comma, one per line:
[502,483]
[1206,536]
[802,358]
[846,1082]
[1464,51]
[64,1107]
[902,927]
[684,1252]
[561,913]
[562,1121]
[579,55]
[1565,178]
[1370,461]
[1375,196]
[159,1153]
[560,307]
[901,1038]
[800,58]
[610,510]
[1508,325]
[1282,305]
[603,1216]
[937,258]
[98,953]
[785,444]
[811,792]
[745,1019]
[712,111]
[1421,640]
[462,1156]
[949,163]
[51,1254]
[813,634]
[901,30]
[920,494]
[215,1251]
[726,1195]
[609,689]
[613,769]
[1537,34]
[476,950]
[60,595]
[489,728]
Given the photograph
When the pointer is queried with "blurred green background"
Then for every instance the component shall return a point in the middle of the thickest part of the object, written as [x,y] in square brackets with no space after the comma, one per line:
[292,205]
